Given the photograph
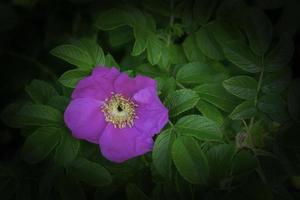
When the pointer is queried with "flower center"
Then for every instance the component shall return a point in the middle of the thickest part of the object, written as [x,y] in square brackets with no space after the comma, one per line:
[119,110]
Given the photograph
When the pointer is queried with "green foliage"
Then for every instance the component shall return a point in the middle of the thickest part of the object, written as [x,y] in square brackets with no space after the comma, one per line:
[189,160]
[70,78]
[89,172]
[238,53]
[40,143]
[243,87]
[38,115]
[210,111]
[217,95]
[222,69]
[67,149]
[162,153]
[259,30]
[73,55]
[244,110]
[40,91]
[180,101]
[198,127]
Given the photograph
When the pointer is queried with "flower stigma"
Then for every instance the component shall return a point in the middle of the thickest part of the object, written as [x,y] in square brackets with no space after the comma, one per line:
[119,110]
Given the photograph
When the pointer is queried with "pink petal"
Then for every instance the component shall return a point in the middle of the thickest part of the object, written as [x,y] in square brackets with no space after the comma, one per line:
[97,86]
[151,122]
[129,86]
[85,119]
[119,145]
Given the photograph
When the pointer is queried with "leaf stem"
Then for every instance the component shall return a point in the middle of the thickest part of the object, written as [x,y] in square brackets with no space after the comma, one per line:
[180,85]
[171,21]
[258,88]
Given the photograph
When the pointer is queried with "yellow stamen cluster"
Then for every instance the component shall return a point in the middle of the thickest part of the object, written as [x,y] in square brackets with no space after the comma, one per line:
[119,110]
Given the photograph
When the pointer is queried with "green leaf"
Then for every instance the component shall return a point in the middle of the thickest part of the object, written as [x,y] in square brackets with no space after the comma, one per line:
[152,71]
[40,91]
[134,193]
[161,154]
[244,110]
[243,161]
[294,99]
[274,106]
[110,61]
[141,40]
[199,127]
[281,55]
[208,44]
[224,32]
[240,55]
[67,150]
[203,10]
[217,95]
[244,87]
[209,111]
[258,28]
[277,82]
[90,172]
[196,73]
[154,49]
[165,85]
[59,102]
[39,115]
[114,18]
[70,78]
[176,54]
[165,60]
[189,160]
[191,49]
[180,101]
[120,37]
[9,115]
[40,143]
[93,49]
[74,55]
[219,160]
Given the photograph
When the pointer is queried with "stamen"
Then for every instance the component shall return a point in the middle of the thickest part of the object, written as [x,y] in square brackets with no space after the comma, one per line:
[119,110]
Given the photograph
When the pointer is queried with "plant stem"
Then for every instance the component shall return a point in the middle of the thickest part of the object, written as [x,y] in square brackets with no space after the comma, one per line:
[258,88]
[180,85]
[259,167]
[171,21]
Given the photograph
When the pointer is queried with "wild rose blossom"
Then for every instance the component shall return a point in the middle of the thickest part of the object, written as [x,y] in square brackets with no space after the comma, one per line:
[119,113]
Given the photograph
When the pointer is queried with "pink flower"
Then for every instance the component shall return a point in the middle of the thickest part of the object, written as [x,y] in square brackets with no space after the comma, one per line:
[119,113]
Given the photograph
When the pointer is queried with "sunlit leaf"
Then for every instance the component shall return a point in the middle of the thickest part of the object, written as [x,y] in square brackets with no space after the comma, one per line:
[180,101]
[199,127]
[70,78]
[74,55]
